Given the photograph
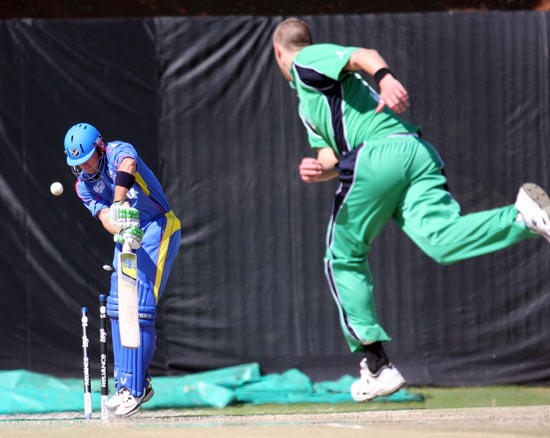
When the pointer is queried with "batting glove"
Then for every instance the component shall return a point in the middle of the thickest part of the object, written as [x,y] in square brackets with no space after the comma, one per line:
[123,216]
[132,237]
[118,238]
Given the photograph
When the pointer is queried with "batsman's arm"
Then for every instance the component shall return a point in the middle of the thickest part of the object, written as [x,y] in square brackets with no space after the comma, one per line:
[124,181]
[103,216]
[132,236]
[319,169]
[392,92]
[120,214]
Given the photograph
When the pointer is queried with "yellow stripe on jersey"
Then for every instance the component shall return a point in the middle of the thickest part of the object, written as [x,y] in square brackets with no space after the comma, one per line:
[142,185]
[172,225]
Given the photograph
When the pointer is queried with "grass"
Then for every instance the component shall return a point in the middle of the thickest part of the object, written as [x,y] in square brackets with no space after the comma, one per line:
[486,396]
[434,398]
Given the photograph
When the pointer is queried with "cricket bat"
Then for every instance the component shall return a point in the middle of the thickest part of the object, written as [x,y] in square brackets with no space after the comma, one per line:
[128,317]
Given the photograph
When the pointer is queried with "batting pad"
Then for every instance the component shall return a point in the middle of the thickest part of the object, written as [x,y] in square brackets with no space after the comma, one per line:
[131,364]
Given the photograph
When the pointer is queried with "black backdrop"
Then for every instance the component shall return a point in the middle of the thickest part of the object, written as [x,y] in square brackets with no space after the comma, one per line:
[204,103]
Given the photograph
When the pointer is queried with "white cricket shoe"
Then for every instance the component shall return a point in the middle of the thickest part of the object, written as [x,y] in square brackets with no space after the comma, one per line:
[369,386]
[116,400]
[131,404]
[533,204]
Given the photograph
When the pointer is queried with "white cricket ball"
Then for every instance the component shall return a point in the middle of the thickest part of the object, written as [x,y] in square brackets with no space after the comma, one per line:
[56,188]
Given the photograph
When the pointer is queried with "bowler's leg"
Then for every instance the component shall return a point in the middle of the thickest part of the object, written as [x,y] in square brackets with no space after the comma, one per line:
[431,216]
[371,186]
[370,189]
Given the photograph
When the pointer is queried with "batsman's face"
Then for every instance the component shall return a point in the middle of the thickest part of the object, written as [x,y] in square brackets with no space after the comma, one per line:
[92,165]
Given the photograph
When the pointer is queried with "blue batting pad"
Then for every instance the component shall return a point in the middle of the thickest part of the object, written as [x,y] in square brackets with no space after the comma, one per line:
[131,364]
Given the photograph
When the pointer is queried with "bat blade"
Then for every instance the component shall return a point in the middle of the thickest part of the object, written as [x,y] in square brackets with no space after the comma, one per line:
[128,317]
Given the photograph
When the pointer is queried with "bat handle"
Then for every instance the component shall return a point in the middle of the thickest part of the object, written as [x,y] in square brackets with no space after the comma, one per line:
[126,248]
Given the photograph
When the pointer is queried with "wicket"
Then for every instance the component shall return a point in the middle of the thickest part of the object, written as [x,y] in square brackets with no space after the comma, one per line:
[102,360]
[86,364]
[103,356]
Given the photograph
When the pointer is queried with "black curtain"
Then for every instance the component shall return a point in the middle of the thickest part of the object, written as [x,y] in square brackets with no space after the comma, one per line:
[205,105]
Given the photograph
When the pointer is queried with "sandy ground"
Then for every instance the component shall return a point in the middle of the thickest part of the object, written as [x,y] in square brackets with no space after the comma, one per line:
[532,421]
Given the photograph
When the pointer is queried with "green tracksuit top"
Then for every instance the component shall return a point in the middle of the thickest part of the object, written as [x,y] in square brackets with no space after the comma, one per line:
[338,107]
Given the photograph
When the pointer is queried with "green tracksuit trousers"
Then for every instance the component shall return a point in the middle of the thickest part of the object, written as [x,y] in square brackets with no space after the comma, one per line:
[400,178]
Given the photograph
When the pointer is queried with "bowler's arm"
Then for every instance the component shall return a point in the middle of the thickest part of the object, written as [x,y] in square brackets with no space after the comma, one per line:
[392,93]
[319,169]
[368,60]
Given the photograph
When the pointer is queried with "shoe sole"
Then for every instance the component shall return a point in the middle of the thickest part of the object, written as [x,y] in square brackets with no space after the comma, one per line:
[388,391]
[132,412]
[539,196]
[392,390]
[147,397]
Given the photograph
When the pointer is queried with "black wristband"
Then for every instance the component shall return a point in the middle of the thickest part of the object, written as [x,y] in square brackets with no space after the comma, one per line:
[124,179]
[379,75]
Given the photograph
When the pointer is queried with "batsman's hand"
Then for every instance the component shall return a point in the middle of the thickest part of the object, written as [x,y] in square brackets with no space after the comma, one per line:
[392,94]
[310,169]
[131,236]
[123,216]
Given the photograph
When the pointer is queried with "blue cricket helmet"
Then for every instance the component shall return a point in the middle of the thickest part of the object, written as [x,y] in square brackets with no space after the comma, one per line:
[80,143]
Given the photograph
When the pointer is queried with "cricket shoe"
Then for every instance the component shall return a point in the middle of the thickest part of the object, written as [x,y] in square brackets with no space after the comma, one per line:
[116,400]
[131,404]
[369,386]
[533,204]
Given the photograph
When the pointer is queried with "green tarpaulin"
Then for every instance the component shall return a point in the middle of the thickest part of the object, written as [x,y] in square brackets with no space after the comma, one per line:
[27,392]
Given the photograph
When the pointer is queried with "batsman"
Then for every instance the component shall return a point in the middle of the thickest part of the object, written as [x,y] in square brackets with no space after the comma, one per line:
[386,171]
[119,190]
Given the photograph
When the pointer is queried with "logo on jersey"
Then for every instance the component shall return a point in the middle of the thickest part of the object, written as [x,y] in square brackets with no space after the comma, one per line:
[99,187]
[75,153]
[112,174]
[132,193]
[341,53]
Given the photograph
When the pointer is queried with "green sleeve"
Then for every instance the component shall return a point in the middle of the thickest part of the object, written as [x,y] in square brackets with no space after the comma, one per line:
[327,59]
[314,139]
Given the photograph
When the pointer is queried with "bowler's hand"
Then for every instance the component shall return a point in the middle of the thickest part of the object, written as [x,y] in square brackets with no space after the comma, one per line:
[392,94]
[310,169]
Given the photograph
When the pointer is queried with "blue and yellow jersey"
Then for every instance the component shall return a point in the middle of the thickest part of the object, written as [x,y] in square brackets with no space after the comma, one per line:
[146,194]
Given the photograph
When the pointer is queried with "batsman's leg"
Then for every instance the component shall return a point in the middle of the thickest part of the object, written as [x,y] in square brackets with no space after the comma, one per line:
[160,243]
[133,385]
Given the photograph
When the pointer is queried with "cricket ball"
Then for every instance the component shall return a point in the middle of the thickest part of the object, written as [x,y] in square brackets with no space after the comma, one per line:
[56,188]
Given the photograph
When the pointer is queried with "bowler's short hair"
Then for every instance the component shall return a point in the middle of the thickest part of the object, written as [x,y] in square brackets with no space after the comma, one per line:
[292,34]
